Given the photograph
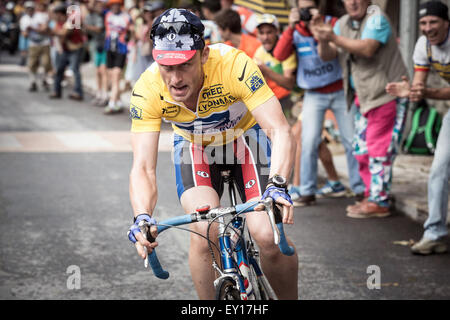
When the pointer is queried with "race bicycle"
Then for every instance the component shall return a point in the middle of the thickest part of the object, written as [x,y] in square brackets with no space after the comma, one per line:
[240,274]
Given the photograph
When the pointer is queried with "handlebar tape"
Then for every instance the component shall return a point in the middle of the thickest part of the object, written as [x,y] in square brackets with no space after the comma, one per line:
[153,258]
[285,248]
[156,266]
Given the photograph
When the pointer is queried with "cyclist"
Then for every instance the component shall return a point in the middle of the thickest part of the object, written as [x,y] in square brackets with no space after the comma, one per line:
[220,108]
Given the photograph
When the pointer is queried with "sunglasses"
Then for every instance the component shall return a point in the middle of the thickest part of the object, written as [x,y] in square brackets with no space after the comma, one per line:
[164,28]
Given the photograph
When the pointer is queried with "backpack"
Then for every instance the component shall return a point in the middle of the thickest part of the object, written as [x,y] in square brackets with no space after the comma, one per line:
[425,126]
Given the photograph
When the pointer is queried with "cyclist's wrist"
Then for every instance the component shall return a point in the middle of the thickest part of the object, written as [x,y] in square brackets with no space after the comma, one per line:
[142,216]
[278,181]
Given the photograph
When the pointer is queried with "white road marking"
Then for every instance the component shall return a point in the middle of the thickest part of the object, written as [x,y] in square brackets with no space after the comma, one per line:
[73,141]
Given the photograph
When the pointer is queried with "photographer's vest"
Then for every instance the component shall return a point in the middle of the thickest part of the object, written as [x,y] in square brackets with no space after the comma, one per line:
[370,75]
[313,72]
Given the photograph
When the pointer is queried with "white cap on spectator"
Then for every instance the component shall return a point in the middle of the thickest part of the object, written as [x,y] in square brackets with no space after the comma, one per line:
[29,4]
[267,19]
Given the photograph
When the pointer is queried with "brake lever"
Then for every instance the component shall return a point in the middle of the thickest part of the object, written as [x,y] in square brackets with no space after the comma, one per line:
[144,226]
[268,203]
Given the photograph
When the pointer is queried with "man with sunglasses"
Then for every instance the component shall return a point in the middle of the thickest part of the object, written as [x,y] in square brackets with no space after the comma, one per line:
[219,104]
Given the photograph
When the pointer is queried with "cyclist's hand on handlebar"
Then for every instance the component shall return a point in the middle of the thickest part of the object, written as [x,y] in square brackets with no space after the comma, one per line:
[143,240]
[281,197]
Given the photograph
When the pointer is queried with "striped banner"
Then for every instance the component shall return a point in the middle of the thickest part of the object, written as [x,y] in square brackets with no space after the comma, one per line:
[279,8]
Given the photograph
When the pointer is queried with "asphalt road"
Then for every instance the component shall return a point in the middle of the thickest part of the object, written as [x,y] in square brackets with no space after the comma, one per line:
[65,210]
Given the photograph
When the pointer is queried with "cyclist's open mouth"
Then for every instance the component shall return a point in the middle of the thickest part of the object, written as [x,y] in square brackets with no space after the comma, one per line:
[179,90]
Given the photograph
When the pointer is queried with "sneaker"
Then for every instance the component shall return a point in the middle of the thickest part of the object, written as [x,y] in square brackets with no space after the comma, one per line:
[294,192]
[333,190]
[112,110]
[103,102]
[368,209]
[305,201]
[426,246]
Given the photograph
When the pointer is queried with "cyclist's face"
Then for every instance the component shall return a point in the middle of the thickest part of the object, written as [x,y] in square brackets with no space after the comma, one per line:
[185,80]
[434,28]
[267,35]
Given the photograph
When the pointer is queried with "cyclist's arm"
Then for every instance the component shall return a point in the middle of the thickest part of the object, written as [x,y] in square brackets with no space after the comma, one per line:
[143,191]
[270,117]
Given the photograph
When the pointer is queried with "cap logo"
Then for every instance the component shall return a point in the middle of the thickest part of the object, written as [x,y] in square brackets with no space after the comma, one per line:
[174,16]
[171,55]
[171,36]
[423,12]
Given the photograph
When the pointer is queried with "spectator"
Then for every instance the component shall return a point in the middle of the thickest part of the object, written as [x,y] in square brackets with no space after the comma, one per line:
[325,157]
[95,26]
[131,63]
[280,76]
[157,8]
[229,24]
[368,51]
[322,82]
[144,45]
[209,9]
[117,24]
[248,17]
[35,28]
[69,46]
[433,45]
[23,37]
[10,19]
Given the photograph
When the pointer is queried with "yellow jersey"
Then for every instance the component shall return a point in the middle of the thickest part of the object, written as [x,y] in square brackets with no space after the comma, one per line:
[233,86]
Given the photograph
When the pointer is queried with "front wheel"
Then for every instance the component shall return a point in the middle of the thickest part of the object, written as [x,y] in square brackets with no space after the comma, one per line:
[227,290]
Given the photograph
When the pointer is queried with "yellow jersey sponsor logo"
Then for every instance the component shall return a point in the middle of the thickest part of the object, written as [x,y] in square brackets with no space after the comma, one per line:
[254,82]
[170,111]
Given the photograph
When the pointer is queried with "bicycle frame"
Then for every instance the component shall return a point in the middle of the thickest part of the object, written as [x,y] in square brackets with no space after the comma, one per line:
[245,256]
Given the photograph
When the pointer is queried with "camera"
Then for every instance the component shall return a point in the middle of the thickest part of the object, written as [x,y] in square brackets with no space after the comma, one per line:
[305,14]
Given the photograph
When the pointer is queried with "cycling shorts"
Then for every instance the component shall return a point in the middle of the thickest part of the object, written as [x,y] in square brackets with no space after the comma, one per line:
[247,157]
